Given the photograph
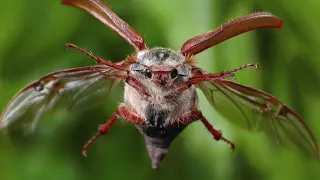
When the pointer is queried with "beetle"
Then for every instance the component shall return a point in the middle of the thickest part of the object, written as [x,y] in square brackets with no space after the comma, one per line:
[160,84]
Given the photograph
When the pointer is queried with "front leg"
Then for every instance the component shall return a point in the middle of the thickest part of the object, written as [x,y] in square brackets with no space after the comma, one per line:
[122,112]
[133,82]
[96,58]
[127,78]
[201,76]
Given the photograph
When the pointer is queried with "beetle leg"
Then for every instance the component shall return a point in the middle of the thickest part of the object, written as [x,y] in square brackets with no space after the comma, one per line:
[127,114]
[122,112]
[137,85]
[193,115]
[203,76]
[131,81]
[189,117]
[96,58]
[231,72]
[216,133]
[210,77]
[103,129]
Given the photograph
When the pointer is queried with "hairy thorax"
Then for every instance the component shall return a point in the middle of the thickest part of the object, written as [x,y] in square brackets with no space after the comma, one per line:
[160,109]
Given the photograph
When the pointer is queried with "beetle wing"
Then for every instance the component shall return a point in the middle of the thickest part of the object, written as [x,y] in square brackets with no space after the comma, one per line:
[109,18]
[256,110]
[71,89]
[233,28]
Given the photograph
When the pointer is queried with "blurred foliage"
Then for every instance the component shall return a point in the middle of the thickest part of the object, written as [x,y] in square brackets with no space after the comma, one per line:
[32,36]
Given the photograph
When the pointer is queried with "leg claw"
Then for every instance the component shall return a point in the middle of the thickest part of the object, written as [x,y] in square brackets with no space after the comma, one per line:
[84,153]
[232,146]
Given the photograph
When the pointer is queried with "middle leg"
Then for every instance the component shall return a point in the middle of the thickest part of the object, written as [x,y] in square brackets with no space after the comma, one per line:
[194,115]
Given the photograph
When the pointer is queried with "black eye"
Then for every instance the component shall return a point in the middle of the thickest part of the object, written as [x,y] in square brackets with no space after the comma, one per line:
[148,73]
[174,73]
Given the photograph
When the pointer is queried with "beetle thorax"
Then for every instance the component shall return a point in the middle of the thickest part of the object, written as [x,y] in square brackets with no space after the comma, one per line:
[160,56]
[160,71]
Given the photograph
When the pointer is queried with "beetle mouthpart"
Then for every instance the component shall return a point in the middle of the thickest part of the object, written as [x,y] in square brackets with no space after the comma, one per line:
[161,79]
[159,82]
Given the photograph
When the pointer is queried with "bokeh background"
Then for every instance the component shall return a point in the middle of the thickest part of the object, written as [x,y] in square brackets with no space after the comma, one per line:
[32,38]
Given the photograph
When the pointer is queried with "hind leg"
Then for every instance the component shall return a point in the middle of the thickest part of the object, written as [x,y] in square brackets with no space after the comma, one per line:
[122,112]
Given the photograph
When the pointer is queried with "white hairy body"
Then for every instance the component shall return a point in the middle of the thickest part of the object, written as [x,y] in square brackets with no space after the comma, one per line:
[177,104]
[184,101]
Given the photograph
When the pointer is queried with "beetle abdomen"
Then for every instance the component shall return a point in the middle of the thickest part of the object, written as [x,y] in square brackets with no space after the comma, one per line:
[158,140]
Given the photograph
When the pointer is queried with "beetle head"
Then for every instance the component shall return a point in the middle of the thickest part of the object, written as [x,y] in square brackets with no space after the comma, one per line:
[163,67]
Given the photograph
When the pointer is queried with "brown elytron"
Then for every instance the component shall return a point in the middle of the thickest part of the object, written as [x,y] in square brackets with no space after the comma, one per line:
[159,96]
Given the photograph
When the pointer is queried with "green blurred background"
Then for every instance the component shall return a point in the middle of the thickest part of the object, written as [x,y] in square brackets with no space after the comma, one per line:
[32,36]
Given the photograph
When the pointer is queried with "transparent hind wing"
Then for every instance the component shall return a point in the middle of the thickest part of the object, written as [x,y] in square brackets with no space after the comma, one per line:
[72,89]
[256,110]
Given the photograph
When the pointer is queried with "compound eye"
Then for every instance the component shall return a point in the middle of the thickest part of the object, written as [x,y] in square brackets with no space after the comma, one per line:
[148,73]
[174,73]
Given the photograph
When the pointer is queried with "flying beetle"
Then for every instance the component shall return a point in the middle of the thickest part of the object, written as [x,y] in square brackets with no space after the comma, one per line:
[160,84]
